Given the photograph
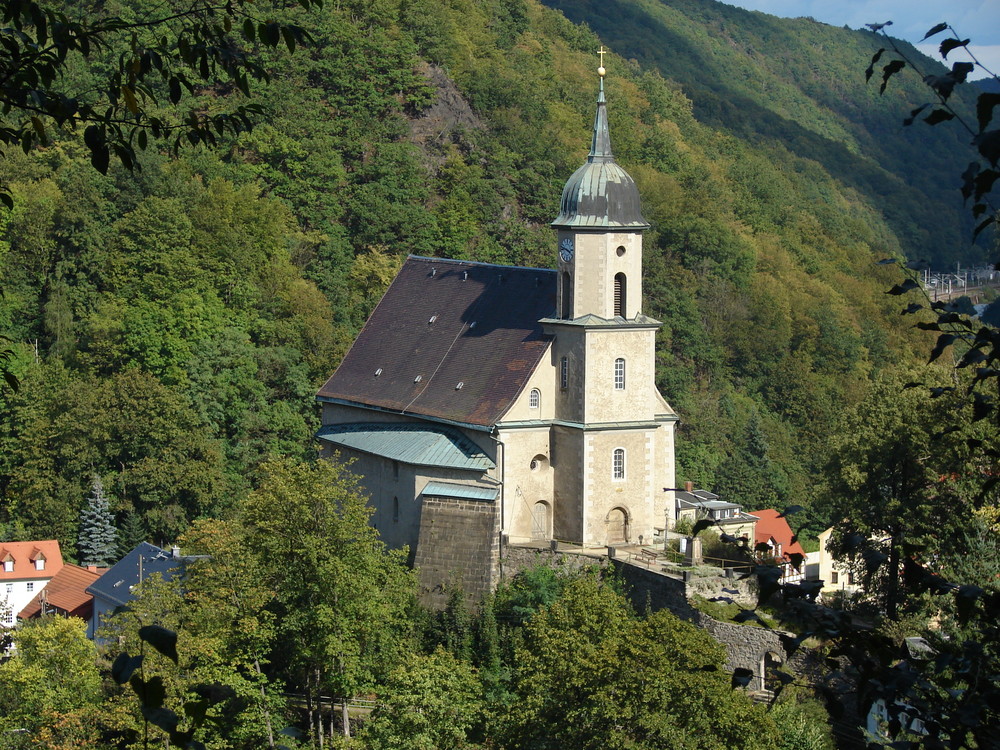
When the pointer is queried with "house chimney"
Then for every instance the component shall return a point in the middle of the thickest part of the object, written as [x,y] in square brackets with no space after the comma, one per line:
[175,551]
[689,486]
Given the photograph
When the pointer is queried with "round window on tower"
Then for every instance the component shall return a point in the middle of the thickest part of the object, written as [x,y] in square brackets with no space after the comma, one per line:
[620,251]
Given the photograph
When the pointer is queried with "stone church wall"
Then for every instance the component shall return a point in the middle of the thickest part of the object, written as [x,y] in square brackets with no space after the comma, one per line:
[459,544]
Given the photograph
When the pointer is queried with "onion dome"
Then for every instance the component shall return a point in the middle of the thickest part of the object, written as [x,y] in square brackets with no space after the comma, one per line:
[600,194]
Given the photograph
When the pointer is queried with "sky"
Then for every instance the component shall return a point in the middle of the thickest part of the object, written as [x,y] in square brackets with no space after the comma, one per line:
[978,20]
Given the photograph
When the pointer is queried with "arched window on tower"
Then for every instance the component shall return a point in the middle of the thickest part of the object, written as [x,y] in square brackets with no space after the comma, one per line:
[618,464]
[620,292]
[567,297]
[620,374]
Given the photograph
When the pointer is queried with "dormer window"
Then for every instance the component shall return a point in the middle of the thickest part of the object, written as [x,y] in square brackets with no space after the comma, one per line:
[8,564]
[40,563]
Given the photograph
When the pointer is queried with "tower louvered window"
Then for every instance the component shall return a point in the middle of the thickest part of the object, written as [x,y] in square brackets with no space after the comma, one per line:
[620,294]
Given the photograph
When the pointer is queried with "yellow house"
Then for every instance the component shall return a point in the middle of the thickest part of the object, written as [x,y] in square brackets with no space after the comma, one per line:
[487,404]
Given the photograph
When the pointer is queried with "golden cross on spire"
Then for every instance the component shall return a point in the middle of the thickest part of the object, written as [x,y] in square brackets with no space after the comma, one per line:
[601,52]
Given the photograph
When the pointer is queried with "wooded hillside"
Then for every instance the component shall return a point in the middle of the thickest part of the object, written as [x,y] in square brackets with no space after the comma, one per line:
[171,325]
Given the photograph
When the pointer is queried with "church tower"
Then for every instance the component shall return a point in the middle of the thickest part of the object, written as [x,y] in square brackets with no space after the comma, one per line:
[612,439]
[599,229]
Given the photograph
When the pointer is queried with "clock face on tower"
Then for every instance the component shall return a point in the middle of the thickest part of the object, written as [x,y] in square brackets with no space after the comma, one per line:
[566,250]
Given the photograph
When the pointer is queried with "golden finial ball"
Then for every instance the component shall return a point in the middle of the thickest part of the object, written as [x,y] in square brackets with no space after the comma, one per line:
[601,71]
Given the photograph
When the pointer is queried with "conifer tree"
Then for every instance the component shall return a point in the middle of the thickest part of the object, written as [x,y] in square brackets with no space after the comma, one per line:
[97,538]
[131,533]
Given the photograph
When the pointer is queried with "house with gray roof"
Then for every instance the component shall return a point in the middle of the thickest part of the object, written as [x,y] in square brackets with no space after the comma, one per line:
[115,587]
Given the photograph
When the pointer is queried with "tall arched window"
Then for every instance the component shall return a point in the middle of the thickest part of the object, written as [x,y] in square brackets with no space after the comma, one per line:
[618,464]
[564,373]
[534,398]
[395,509]
[620,374]
[567,297]
[620,292]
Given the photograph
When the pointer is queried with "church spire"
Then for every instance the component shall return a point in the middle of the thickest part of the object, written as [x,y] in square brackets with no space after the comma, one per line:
[600,194]
[600,145]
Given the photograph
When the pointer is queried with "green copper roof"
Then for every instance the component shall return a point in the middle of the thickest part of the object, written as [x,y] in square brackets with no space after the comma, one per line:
[460,491]
[600,194]
[421,445]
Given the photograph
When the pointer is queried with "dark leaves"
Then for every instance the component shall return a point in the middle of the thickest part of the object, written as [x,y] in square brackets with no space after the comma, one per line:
[741,677]
[871,67]
[796,559]
[907,286]
[873,558]
[768,582]
[163,640]
[950,44]
[988,144]
[943,342]
[889,71]
[124,666]
[791,510]
[938,116]
[748,615]
[984,108]
[982,406]
[151,692]
[991,315]
[965,601]
[700,525]
[935,30]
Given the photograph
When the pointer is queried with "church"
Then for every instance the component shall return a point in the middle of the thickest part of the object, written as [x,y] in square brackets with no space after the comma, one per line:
[485,405]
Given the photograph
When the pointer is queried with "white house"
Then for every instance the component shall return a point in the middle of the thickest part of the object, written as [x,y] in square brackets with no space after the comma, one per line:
[25,568]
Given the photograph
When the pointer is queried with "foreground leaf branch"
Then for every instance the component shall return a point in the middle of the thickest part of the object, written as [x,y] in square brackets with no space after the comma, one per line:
[198,44]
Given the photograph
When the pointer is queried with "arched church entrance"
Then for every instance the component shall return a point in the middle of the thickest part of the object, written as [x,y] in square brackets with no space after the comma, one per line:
[617,522]
[540,520]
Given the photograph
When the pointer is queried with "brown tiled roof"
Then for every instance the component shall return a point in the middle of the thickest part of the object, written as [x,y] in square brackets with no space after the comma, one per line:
[770,526]
[65,591]
[484,335]
[24,555]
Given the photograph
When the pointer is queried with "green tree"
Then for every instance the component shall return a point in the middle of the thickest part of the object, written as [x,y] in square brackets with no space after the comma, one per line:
[51,685]
[340,597]
[428,703]
[592,674]
[904,489]
[97,539]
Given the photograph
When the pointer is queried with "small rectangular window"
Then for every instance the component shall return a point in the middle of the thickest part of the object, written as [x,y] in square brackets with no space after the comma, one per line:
[564,373]
[619,374]
[31,586]
[834,577]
